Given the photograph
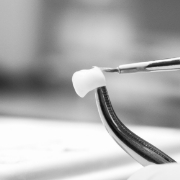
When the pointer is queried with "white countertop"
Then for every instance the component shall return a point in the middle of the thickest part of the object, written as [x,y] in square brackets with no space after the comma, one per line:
[35,149]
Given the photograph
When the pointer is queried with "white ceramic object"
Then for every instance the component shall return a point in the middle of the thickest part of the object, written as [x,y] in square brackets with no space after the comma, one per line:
[87,80]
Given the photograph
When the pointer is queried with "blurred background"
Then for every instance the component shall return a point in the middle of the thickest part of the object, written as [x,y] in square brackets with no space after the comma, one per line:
[42,43]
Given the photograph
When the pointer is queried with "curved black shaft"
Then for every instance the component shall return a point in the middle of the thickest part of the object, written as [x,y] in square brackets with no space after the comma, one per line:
[142,151]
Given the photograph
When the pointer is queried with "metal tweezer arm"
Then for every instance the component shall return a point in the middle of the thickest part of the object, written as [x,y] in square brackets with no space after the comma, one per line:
[139,149]
[150,66]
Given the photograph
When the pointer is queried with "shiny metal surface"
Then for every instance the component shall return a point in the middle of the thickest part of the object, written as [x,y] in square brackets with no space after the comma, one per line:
[139,149]
[172,64]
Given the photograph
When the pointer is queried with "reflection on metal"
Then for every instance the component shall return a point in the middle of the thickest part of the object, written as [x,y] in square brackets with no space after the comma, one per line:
[172,64]
[139,149]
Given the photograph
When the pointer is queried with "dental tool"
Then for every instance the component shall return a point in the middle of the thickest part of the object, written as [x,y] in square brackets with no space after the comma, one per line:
[172,64]
[139,149]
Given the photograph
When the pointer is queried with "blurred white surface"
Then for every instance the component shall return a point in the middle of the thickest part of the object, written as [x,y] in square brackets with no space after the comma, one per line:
[35,149]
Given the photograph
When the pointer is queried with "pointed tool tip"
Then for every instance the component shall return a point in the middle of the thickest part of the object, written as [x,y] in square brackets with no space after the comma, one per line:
[107,69]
